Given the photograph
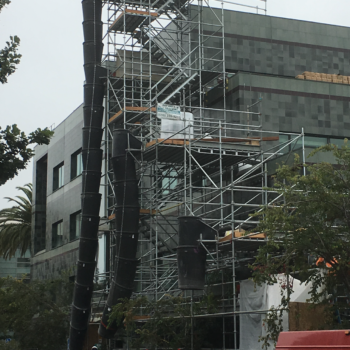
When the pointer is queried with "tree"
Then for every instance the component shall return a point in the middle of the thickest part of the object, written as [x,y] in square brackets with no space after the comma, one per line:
[308,231]
[15,224]
[14,154]
[11,345]
[166,322]
[37,312]
[14,151]
[9,57]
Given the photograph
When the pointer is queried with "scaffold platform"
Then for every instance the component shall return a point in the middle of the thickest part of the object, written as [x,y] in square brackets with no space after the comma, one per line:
[132,114]
[133,20]
[205,151]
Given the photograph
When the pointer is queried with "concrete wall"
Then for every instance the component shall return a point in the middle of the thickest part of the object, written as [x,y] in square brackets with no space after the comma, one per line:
[51,264]
[61,203]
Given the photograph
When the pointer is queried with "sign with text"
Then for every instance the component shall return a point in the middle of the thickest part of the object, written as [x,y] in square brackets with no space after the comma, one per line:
[168,111]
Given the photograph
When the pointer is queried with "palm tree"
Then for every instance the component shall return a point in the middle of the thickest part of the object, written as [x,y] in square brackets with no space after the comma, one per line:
[15,224]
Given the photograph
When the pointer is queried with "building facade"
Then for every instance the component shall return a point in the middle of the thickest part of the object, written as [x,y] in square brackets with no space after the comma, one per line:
[18,266]
[56,211]
[233,75]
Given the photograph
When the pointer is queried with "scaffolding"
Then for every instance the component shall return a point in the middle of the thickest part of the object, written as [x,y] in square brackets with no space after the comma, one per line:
[166,62]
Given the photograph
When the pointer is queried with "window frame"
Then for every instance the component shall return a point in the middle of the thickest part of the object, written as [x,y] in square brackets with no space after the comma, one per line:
[55,243]
[73,224]
[298,144]
[76,164]
[169,181]
[58,177]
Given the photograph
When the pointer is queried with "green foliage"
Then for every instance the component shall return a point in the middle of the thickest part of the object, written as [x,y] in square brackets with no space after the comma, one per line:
[37,313]
[273,325]
[12,345]
[3,3]
[167,323]
[15,224]
[14,151]
[9,57]
[310,221]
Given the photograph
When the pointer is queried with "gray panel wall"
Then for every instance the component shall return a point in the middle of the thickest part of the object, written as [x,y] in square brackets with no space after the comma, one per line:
[288,104]
[272,45]
[64,201]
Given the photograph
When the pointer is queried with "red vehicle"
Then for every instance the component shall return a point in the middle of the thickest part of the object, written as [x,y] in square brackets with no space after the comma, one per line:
[314,340]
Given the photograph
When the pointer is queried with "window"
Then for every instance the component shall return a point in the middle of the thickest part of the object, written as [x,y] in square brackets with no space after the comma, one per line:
[58,176]
[57,234]
[75,225]
[283,139]
[169,181]
[40,189]
[23,262]
[76,167]
[338,142]
[309,142]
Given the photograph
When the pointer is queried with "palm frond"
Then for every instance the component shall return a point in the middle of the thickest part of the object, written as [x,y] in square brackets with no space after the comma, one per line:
[15,224]
[18,201]
[27,189]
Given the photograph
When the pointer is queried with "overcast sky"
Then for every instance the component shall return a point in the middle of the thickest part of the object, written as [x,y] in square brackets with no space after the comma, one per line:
[48,84]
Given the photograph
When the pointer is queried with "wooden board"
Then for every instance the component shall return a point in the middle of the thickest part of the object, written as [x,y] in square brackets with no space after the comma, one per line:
[131,109]
[167,142]
[329,78]
[241,233]
[133,12]
[142,211]
[141,317]
[111,217]
[92,337]
[249,140]
[306,317]
[142,13]
[115,116]
[148,211]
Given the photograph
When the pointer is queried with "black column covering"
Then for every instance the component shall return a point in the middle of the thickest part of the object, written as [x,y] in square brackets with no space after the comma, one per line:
[191,256]
[127,221]
[95,78]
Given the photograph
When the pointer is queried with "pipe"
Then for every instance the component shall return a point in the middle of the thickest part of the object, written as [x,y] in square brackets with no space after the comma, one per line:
[127,222]
[191,256]
[94,88]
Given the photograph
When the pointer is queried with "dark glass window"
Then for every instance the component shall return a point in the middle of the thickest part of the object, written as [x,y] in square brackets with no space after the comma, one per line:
[338,142]
[58,176]
[311,142]
[57,234]
[23,262]
[282,140]
[76,165]
[75,225]
[40,189]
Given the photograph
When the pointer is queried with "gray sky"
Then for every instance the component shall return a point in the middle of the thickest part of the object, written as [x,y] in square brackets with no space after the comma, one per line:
[48,84]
